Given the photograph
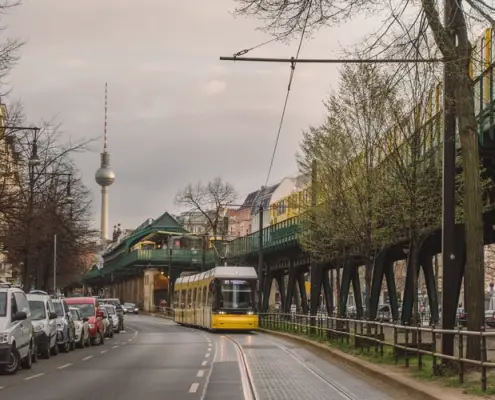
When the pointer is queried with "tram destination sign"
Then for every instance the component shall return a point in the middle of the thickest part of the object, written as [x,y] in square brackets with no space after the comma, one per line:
[235,282]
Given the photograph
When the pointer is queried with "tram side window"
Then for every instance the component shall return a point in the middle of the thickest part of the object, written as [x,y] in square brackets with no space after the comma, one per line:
[176,298]
[205,291]
[194,298]
[183,299]
[189,299]
[199,298]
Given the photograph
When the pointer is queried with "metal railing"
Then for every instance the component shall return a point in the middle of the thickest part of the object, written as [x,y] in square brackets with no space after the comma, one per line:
[406,342]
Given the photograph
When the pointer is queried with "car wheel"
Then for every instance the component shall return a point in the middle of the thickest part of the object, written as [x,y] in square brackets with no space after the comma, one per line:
[46,353]
[65,348]
[97,339]
[34,354]
[27,362]
[13,366]
[54,350]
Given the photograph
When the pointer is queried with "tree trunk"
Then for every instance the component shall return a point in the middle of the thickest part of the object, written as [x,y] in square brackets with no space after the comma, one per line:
[474,278]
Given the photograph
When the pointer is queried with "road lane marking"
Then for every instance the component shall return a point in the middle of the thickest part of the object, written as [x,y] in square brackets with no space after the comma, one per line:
[103,351]
[201,373]
[64,366]
[114,347]
[207,355]
[129,340]
[2,387]
[87,358]
[194,388]
[204,363]
[34,376]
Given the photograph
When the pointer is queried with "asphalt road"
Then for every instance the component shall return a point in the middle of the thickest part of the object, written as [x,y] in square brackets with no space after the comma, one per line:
[157,359]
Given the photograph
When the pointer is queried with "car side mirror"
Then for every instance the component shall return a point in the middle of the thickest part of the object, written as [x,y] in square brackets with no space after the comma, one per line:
[53,315]
[19,316]
[99,314]
[85,319]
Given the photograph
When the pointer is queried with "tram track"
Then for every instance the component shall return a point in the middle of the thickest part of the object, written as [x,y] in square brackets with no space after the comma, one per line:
[247,380]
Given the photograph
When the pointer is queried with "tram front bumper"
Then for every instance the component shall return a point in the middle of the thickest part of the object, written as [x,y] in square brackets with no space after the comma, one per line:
[234,322]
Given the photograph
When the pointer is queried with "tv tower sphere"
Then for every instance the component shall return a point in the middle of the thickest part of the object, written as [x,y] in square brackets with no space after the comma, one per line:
[105,176]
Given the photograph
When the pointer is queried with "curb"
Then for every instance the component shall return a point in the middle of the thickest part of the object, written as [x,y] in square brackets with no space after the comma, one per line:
[405,384]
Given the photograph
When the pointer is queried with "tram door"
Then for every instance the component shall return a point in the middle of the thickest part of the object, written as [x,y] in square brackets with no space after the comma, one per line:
[195,306]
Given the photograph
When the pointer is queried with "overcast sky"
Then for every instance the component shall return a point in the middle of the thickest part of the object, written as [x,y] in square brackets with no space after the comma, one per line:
[176,113]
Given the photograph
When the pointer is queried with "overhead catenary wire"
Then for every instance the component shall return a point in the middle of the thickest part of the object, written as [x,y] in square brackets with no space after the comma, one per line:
[291,77]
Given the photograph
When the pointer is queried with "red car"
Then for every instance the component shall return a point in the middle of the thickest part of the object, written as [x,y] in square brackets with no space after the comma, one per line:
[89,307]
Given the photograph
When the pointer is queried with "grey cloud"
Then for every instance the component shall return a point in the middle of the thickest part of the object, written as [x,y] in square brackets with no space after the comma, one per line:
[177,114]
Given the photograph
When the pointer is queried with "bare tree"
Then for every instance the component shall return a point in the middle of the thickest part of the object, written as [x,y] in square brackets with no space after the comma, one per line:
[41,209]
[210,201]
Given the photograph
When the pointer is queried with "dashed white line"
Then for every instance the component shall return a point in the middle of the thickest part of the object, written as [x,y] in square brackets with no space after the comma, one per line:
[207,355]
[87,358]
[34,376]
[201,373]
[103,351]
[194,388]
[2,387]
[64,366]
[204,363]
[129,340]
[114,347]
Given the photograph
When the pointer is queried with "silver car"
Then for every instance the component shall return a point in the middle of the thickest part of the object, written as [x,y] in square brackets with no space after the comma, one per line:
[82,328]
[65,326]
[113,317]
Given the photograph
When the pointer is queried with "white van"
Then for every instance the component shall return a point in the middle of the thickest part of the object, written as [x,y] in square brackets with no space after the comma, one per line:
[16,331]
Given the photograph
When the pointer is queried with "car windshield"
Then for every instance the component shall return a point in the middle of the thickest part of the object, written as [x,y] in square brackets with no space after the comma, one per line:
[129,305]
[38,310]
[86,310]
[75,315]
[110,310]
[3,304]
[58,309]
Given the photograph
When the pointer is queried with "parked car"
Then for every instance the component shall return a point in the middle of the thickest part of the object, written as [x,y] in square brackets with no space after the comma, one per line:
[82,328]
[107,321]
[131,308]
[89,307]
[44,321]
[16,330]
[112,317]
[120,311]
[66,331]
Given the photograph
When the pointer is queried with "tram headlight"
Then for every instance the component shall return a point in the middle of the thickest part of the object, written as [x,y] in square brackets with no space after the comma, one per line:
[222,312]
[250,313]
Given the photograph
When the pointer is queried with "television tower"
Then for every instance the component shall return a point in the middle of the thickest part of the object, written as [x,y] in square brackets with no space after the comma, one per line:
[104,177]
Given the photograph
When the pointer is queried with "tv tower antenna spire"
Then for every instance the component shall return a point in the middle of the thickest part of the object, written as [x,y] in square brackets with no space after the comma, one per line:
[105,176]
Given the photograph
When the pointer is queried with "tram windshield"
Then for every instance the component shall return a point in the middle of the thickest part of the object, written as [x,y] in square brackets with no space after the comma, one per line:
[237,294]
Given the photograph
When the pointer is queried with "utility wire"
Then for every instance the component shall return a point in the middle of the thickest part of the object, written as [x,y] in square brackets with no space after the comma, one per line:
[291,77]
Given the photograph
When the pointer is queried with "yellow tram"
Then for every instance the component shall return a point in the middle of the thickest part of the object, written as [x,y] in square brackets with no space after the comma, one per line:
[222,298]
